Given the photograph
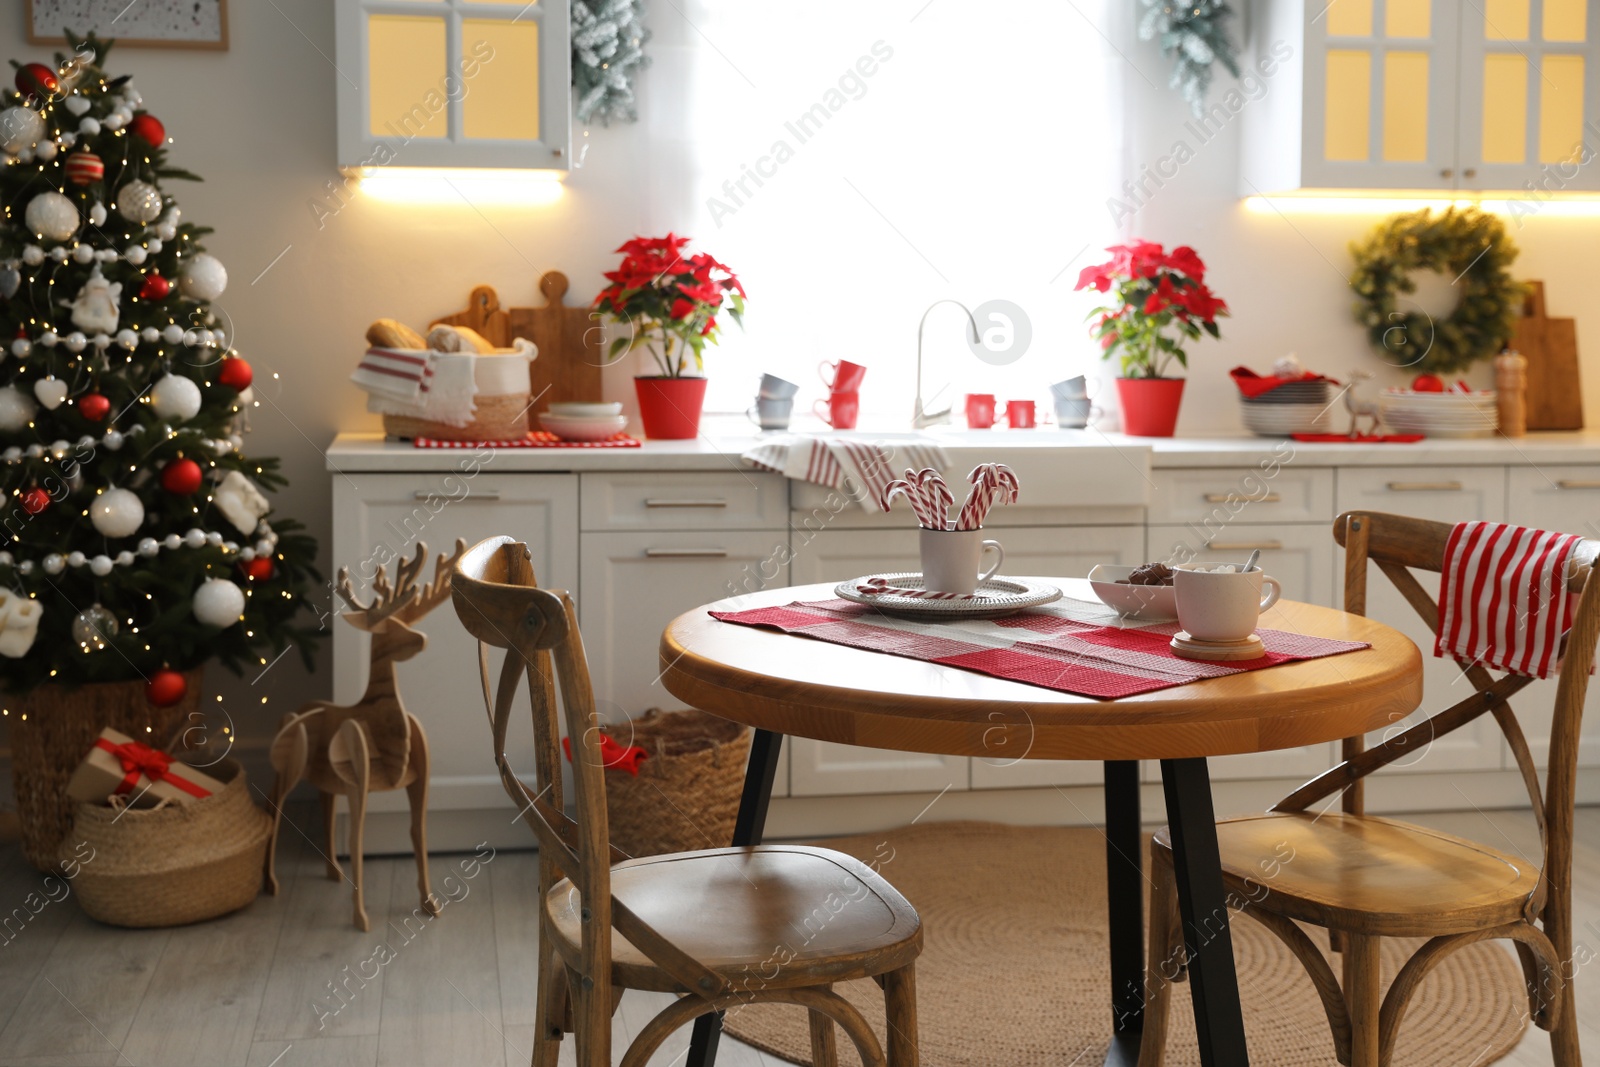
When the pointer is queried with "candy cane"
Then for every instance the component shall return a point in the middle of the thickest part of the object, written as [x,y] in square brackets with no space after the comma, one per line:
[881,587]
[937,495]
[900,485]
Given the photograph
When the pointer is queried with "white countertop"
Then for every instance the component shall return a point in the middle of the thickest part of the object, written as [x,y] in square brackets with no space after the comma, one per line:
[722,443]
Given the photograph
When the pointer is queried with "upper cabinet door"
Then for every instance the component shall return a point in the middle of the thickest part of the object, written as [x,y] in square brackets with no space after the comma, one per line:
[453,83]
[1380,94]
[1529,88]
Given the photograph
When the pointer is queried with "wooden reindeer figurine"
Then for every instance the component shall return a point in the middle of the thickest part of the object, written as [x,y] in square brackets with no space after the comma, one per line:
[374,744]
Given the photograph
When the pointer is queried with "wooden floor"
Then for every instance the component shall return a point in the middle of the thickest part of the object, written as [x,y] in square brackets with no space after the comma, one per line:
[290,983]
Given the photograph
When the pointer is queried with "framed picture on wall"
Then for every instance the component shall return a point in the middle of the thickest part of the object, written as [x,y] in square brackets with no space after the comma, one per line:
[143,23]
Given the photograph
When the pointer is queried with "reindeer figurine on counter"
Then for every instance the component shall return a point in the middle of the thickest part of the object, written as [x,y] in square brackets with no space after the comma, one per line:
[373,745]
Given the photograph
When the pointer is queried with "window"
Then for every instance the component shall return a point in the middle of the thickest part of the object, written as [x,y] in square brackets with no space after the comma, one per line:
[854,165]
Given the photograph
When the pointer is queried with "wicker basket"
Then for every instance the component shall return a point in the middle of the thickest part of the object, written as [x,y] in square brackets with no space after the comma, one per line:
[54,726]
[172,864]
[686,795]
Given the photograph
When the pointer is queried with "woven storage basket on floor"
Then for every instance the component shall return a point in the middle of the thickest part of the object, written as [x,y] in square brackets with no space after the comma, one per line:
[173,864]
[686,795]
[53,728]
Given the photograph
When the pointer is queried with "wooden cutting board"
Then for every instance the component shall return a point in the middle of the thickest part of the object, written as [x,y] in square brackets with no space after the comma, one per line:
[1555,399]
[569,340]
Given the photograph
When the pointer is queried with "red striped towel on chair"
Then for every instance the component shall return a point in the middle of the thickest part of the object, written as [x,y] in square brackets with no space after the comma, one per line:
[1503,598]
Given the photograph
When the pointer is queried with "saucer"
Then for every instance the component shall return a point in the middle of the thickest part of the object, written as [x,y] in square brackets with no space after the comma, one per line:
[1244,648]
[993,599]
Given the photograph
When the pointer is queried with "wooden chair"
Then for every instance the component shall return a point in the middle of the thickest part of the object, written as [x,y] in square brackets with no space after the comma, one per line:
[1364,878]
[722,927]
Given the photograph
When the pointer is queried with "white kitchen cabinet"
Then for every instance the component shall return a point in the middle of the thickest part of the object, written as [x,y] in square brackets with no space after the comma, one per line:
[379,517]
[1419,95]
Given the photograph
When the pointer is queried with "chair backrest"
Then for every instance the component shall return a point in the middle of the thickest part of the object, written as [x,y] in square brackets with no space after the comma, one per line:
[1397,545]
[500,603]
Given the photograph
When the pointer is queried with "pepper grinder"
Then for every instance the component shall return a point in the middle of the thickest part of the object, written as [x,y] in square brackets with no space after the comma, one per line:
[1511,392]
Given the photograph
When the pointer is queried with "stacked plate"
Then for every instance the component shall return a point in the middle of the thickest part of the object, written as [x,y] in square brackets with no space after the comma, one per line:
[572,421]
[1440,414]
[1294,407]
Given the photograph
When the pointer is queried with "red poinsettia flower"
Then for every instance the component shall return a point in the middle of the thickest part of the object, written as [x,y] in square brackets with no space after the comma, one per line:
[1184,258]
[682,309]
[1097,277]
[1203,304]
[671,297]
[1165,296]
[1141,259]
[711,324]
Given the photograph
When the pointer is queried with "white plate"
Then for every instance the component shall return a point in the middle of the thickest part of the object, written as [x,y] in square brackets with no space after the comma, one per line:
[1147,603]
[573,429]
[996,597]
[576,409]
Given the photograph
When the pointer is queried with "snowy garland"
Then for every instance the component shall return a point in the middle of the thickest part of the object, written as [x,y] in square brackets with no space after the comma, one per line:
[608,39]
[1191,33]
[54,563]
[112,439]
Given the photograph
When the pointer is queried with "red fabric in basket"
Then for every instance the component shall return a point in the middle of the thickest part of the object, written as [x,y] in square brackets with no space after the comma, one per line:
[1042,646]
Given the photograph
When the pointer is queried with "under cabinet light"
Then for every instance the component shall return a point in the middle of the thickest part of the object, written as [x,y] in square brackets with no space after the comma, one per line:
[442,186]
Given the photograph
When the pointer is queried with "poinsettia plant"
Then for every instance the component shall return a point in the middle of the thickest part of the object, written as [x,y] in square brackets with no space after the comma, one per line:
[669,302]
[1161,301]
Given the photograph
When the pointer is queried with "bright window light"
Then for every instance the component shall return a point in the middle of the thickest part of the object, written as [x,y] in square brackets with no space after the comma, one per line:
[477,188]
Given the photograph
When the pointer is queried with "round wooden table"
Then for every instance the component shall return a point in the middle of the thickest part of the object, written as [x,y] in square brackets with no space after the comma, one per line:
[785,684]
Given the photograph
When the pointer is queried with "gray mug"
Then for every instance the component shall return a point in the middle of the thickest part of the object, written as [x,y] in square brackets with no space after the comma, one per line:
[1074,413]
[771,413]
[775,388]
[1071,389]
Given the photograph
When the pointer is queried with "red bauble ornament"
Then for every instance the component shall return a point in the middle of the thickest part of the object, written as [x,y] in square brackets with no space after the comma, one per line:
[37,79]
[94,407]
[165,688]
[181,476]
[155,287]
[35,500]
[84,168]
[148,129]
[259,569]
[235,373]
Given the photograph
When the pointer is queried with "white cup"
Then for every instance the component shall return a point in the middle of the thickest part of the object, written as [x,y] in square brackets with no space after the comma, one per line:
[951,558]
[1222,605]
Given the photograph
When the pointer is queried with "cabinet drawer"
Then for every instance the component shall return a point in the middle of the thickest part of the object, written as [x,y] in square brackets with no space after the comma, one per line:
[1565,498]
[1216,498]
[1444,494]
[681,500]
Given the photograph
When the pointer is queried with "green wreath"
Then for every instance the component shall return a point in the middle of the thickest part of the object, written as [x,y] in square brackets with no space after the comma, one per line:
[1465,244]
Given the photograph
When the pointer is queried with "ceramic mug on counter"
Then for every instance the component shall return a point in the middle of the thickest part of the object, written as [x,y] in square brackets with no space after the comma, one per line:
[951,558]
[771,413]
[1071,389]
[1021,414]
[839,410]
[775,388]
[1075,413]
[842,377]
[980,411]
[1219,602]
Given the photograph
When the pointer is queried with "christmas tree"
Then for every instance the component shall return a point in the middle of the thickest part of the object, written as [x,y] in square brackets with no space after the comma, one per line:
[136,540]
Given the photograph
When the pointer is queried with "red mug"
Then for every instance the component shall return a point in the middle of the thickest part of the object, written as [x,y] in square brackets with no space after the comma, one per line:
[845,377]
[980,411]
[839,410]
[1021,414]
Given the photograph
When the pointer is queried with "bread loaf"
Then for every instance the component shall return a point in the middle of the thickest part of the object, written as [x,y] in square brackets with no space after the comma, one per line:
[446,338]
[391,333]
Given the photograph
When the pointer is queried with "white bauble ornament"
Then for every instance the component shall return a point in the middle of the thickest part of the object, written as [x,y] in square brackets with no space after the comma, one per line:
[95,307]
[149,546]
[172,334]
[52,216]
[77,105]
[175,398]
[139,202]
[75,559]
[21,347]
[82,254]
[97,214]
[101,341]
[154,244]
[55,563]
[166,231]
[75,341]
[20,127]
[192,338]
[136,255]
[33,255]
[115,121]
[171,541]
[100,566]
[117,512]
[25,156]
[113,439]
[150,333]
[94,626]
[10,280]
[218,602]
[19,619]
[213,538]
[24,567]
[127,339]
[195,537]
[240,502]
[203,277]
[59,253]
[46,150]
[49,339]
[52,392]
[89,126]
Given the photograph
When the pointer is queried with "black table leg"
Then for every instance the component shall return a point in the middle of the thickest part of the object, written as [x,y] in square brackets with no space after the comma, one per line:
[1125,907]
[1218,1020]
[751,823]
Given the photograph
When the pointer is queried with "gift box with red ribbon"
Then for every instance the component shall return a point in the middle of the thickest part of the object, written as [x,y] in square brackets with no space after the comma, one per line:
[119,766]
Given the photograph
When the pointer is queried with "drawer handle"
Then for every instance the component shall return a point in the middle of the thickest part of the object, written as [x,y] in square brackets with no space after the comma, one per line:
[652,502]
[1573,483]
[686,553]
[1244,546]
[1229,498]
[1425,487]
[479,494]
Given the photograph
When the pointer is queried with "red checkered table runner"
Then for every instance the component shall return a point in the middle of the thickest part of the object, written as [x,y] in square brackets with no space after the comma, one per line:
[1071,645]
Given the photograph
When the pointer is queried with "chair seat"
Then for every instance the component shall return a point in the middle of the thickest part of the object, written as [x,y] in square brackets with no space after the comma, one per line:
[782,916]
[1369,874]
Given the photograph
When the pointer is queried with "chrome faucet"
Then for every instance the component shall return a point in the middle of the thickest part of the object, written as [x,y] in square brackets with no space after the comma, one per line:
[921,418]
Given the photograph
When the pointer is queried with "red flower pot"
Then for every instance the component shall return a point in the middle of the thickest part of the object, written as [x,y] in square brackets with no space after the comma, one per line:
[670,407]
[1150,405]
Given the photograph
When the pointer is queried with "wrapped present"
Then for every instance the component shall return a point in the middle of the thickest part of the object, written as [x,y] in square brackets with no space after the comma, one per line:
[118,765]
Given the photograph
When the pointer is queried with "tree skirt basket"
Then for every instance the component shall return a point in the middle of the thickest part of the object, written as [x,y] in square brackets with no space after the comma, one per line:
[52,729]
[686,795]
[171,864]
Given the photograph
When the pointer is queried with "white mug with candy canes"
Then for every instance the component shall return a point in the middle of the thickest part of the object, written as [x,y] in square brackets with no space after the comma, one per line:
[952,549]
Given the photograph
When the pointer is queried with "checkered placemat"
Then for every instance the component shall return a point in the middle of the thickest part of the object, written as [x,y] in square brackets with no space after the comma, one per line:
[1071,645]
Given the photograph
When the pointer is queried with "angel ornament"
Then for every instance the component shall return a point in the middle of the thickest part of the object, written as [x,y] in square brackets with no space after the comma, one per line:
[95,308]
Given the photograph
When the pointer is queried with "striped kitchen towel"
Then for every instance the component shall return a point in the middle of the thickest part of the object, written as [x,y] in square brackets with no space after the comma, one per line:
[1503,598]
[861,468]
[398,374]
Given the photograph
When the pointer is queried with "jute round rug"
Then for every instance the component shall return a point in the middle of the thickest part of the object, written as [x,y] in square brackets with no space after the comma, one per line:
[1014,969]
